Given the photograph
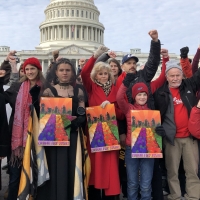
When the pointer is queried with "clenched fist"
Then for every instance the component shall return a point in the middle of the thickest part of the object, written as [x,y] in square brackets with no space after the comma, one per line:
[164,53]
[112,54]
[154,35]
[2,73]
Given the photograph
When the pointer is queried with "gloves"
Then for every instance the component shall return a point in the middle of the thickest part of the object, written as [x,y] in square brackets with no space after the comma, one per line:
[160,131]
[128,79]
[184,52]
[76,123]
[102,49]
[103,105]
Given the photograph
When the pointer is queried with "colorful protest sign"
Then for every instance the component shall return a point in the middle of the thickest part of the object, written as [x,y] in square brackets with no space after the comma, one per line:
[145,143]
[55,117]
[103,130]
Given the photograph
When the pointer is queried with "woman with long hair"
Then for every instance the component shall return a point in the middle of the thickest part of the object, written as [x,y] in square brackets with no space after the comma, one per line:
[20,96]
[66,163]
[98,81]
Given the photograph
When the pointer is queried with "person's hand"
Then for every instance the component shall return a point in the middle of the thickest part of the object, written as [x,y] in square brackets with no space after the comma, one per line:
[160,131]
[2,73]
[122,139]
[164,53]
[103,105]
[58,58]
[184,52]
[128,79]
[12,60]
[112,54]
[198,105]
[154,35]
[81,62]
[102,49]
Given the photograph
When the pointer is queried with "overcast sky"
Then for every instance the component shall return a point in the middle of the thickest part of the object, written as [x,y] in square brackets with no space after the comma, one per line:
[126,22]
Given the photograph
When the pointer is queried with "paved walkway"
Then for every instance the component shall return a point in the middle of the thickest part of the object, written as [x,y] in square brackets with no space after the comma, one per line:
[4,177]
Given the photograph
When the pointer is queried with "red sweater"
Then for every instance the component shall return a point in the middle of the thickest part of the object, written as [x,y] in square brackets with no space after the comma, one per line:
[104,173]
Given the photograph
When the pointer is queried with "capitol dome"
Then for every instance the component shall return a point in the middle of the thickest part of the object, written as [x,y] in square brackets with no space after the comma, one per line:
[70,22]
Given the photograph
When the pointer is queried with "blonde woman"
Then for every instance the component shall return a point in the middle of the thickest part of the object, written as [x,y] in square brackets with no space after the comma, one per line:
[98,81]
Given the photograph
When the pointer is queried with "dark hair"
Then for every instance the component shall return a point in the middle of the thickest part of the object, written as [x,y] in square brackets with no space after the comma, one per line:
[55,67]
[118,65]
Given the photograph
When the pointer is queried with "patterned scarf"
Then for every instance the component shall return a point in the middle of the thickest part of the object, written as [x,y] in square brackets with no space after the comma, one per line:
[106,86]
[20,123]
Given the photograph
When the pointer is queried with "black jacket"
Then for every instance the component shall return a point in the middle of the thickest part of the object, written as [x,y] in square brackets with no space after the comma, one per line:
[188,89]
[4,134]
[147,74]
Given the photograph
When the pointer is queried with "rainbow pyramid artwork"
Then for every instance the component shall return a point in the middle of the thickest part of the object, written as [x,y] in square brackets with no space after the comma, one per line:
[103,130]
[55,118]
[145,142]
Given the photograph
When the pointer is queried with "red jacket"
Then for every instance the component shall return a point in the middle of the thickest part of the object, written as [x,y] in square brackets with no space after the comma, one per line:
[126,107]
[104,173]
[194,121]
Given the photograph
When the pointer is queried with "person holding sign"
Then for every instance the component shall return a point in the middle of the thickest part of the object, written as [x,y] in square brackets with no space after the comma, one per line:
[98,81]
[20,96]
[66,164]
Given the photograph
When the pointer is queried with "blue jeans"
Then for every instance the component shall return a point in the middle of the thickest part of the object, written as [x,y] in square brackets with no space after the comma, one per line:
[13,187]
[134,166]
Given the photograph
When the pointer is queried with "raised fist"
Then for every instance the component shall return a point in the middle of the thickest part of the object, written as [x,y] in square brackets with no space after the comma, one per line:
[164,53]
[184,52]
[2,73]
[112,54]
[154,35]
[10,57]
[102,49]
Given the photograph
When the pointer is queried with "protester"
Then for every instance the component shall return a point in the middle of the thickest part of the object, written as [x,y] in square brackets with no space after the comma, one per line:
[81,64]
[20,95]
[65,162]
[174,99]
[139,95]
[101,91]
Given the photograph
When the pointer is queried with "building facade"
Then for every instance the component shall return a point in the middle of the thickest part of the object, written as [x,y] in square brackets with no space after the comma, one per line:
[73,28]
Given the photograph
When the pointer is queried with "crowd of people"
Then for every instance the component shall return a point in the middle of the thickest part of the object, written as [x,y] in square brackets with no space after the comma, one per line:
[74,172]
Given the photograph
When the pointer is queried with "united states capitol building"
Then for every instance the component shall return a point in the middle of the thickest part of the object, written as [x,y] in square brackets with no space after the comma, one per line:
[73,28]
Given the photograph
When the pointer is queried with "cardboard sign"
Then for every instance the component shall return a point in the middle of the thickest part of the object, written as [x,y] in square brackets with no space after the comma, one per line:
[145,142]
[103,130]
[55,117]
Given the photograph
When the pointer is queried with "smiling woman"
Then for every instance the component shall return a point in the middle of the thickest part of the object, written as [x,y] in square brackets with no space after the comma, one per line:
[20,96]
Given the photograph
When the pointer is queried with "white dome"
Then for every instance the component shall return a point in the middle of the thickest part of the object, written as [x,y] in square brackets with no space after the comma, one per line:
[71,22]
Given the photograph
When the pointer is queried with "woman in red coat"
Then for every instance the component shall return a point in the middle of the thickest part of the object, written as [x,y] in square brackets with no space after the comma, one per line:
[98,81]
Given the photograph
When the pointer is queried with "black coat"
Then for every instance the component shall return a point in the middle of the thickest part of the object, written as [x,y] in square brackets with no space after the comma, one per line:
[188,89]
[4,135]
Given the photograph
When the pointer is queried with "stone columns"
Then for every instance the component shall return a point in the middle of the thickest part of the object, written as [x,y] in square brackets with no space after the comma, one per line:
[49,62]
[87,33]
[49,33]
[99,40]
[82,32]
[102,37]
[70,32]
[76,65]
[92,34]
[43,66]
[64,31]
[53,33]
[96,39]
[75,32]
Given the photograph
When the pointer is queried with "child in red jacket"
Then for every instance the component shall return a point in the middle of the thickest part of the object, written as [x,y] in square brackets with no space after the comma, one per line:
[134,166]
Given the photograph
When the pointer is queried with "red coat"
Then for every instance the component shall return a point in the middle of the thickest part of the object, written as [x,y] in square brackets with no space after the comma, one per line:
[104,173]
[194,121]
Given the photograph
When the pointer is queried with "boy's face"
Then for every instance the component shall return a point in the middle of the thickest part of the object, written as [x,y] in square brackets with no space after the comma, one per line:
[130,66]
[141,98]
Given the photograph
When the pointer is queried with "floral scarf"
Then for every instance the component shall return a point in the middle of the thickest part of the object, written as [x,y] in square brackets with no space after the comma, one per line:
[106,86]
[20,123]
